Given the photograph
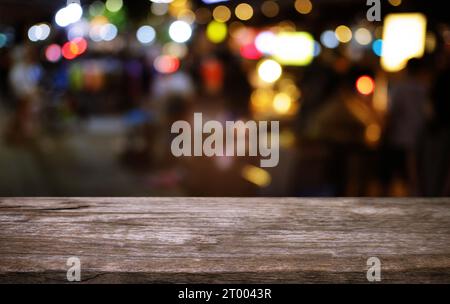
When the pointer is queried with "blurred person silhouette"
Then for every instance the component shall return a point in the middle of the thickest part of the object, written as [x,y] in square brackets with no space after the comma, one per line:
[236,87]
[434,148]
[405,121]
[340,124]
[317,88]
[24,79]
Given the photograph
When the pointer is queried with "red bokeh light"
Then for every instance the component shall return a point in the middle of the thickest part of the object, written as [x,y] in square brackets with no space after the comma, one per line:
[166,64]
[69,50]
[74,48]
[249,51]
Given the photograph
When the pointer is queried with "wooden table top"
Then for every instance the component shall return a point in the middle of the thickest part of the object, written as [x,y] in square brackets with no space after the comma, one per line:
[224,240]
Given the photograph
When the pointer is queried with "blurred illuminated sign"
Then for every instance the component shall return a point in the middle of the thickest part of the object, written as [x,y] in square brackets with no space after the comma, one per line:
[403,39]
[294,48]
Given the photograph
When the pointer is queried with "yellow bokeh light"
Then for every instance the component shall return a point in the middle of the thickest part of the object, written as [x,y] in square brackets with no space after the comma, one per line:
[282,103]
[294,48]
[244,11]
[403,38]
[286,26]
[269,70]
[261,101]
[176,6]
[395,2]
[221,13]
[178,3]
[256,175]
[303,6]
[216,31]
[343,33]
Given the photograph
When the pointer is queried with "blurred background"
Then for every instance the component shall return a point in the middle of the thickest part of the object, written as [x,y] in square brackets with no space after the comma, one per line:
[89,90]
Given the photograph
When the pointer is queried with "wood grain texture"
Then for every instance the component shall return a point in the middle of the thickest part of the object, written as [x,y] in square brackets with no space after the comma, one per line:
[224,240]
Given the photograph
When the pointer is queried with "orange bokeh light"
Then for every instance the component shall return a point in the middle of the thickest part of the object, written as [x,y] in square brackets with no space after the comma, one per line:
[81,44]
[365,85]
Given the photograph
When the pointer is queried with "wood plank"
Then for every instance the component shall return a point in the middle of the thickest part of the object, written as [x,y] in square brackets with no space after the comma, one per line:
[224,240]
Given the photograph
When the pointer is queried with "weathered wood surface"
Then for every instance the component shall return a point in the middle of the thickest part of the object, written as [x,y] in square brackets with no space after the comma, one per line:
[224,240]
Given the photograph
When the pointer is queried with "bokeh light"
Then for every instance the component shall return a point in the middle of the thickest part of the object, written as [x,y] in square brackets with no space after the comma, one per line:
[269,70]
[146,34]
[249,51]
[377,47]
[256,175]
[114,5]
[166,64]
[363,36]
[78,29]
[216,31]
[261,99]
[69,50]
[244,11]
[180,31]
[97,8]
[282,103]
[187,16]
[221,13]
[53,53]
[270,8]
[74,48]
[395,2]
[108,32]
[317,49]
[39,32]
[372,133]
[343,33]
[329,40]
[81,45]
[294,48]
[365,85]
[159,8]
[69,14]
[303,6]
[265,42]
[203,15]
[404,37]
